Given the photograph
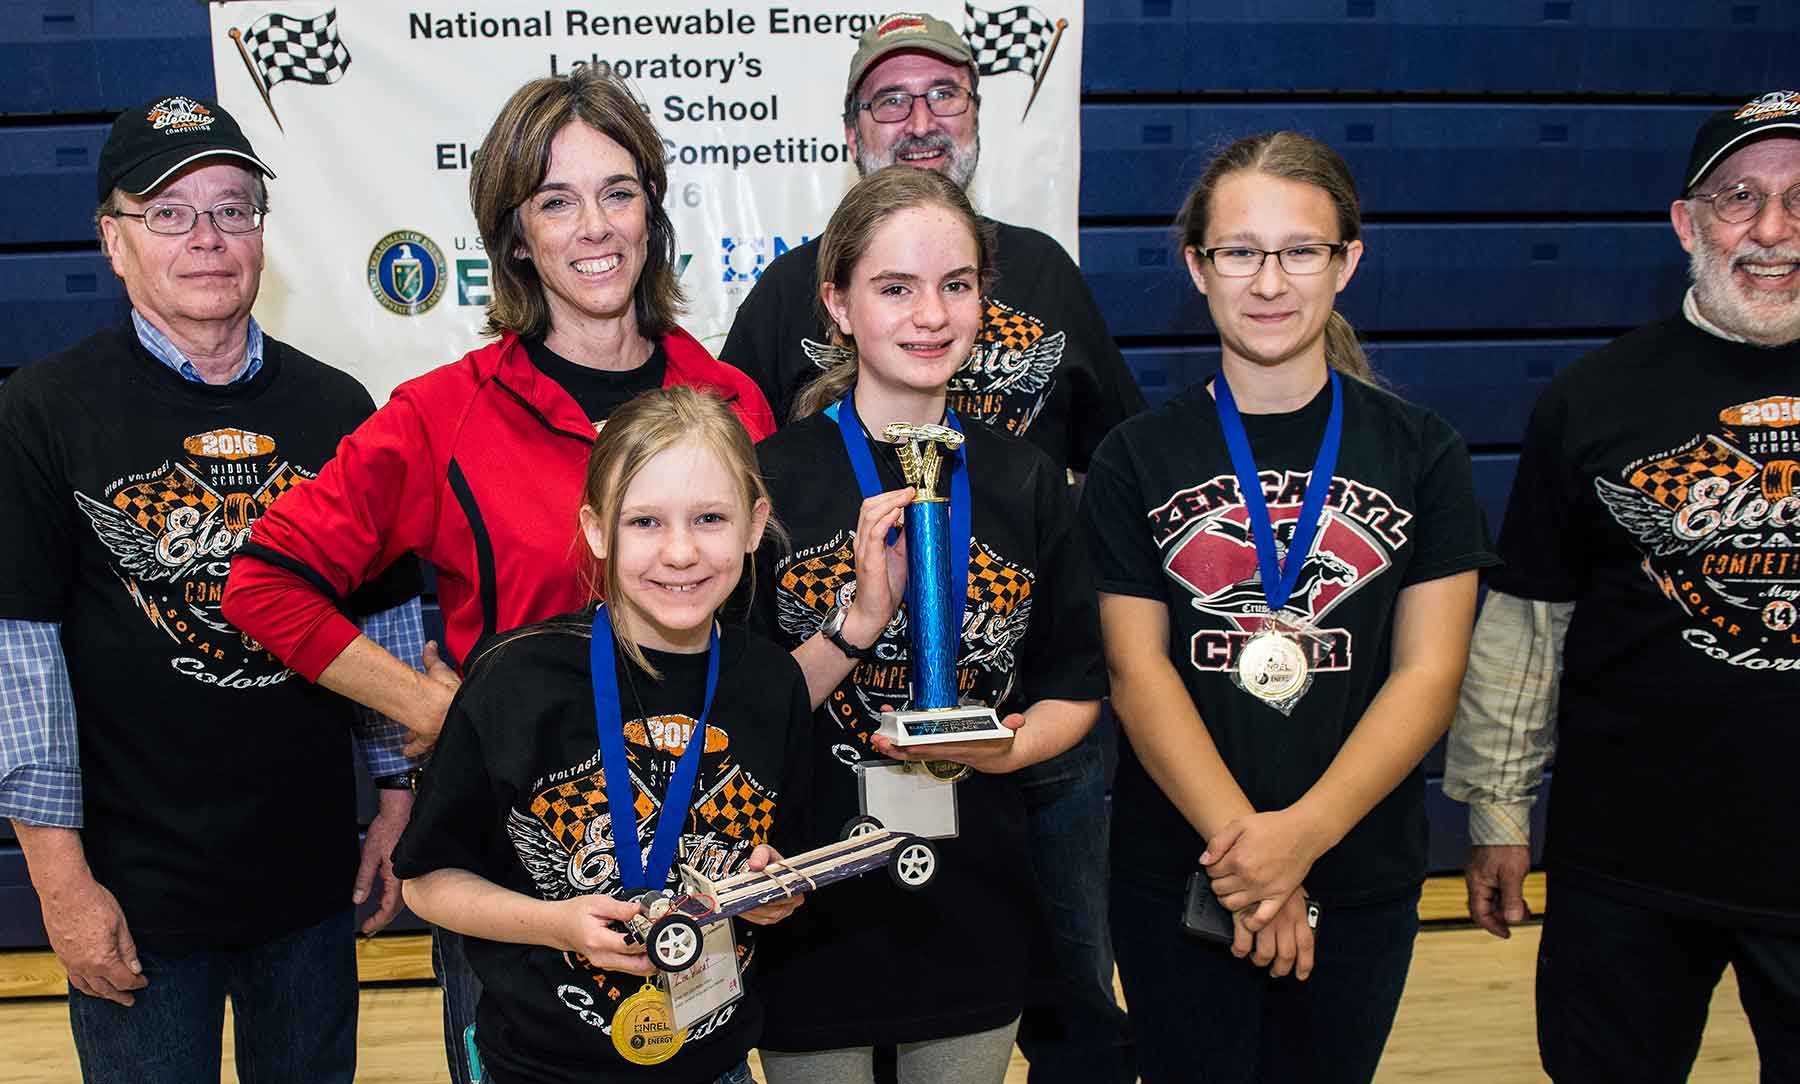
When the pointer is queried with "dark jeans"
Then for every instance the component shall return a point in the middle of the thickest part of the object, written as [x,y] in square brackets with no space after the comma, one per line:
[1202,1014]
[293,1002]
[1623,990]
[461,990]
[1073,1030]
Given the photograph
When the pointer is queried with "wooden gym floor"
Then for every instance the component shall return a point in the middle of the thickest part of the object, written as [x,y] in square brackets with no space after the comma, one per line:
[1466,1015]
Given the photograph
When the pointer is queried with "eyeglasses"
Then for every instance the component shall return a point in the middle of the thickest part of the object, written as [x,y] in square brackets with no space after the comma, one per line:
[896,106]
[1741,203]
[174,219]
[1239,262]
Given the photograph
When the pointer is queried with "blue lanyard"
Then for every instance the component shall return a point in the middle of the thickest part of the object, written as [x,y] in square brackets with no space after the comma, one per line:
[856,445]
[635,874]
[1278,579]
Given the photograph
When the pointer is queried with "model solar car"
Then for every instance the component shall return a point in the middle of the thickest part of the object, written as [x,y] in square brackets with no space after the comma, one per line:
[671,924]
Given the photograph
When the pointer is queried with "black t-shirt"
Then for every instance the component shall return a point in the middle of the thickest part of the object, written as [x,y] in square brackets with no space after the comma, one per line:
[218,788]
[516,786]
[1657,492]
[598,392]
[1044,366]
[949,959]
[1164,520]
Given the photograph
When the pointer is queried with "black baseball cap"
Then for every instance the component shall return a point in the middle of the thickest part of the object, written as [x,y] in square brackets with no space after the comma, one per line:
[148,144]
[1776,113]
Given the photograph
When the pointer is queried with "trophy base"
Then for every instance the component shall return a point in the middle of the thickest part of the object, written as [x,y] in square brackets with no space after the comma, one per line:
[932,726]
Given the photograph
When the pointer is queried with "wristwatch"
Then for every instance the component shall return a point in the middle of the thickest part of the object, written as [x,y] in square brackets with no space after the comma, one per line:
[832,628]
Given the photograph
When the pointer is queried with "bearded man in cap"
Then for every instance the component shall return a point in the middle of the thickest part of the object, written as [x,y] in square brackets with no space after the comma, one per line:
[187,810]
[1044,368]
[1647,611]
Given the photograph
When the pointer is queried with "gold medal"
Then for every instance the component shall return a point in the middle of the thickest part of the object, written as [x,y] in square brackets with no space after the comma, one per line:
[946,771]
[643,1027]
[1272,667]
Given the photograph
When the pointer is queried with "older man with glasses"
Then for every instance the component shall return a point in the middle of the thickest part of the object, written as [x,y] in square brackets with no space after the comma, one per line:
[1044,368]
[187,810]
[1647,611]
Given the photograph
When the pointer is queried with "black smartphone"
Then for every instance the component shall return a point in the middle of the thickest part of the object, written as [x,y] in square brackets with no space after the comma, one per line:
[1204,916]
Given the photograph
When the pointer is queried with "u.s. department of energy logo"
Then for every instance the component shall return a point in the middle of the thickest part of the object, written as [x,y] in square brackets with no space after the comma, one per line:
[406,272]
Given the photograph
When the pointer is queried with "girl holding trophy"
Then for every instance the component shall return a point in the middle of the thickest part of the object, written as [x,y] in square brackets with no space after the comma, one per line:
[980,621]
[589,754]
[1286,557]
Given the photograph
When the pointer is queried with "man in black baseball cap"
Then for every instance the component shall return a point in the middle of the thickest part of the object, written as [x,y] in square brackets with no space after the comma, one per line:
[153,142]
[1650,544]
[193,838]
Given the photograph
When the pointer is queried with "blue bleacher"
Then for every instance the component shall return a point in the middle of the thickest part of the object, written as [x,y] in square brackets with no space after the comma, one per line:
[1539,47]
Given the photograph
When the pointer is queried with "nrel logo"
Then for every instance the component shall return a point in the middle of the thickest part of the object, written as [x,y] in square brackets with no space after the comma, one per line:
[742,259]
[406,273]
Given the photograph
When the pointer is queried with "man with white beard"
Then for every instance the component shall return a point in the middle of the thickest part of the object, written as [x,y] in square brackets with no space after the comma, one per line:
[1647,610]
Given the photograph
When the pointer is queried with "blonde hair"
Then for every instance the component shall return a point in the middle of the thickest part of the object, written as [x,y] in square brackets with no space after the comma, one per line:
[636,433]
[512,162]
[863,210]
[1303,159]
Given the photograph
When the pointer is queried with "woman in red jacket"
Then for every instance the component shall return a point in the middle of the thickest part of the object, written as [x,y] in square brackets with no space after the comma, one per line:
[476,465]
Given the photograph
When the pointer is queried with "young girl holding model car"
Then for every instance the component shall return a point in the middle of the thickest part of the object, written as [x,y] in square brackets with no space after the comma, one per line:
[588,757]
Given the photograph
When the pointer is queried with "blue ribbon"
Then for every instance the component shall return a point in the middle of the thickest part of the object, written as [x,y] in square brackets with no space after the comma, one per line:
[856,446]
[1278,578]
[636,874]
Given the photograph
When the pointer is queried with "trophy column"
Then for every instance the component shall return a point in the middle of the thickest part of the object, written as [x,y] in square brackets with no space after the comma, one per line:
[934,602]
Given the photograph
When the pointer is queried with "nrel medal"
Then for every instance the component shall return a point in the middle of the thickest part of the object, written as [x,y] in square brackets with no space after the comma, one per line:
[643,1028]
[1272,667]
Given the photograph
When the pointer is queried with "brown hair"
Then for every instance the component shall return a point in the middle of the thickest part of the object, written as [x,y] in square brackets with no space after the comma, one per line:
[861,212]
[1292,157]
[637,432]
[512,162]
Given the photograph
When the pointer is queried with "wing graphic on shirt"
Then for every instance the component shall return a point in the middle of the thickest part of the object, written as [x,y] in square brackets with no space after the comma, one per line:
[546,863]
[131,545]
[1649,521]
[1024,372]
[825,355]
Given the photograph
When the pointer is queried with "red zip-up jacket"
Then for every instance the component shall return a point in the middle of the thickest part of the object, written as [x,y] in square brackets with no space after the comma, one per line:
[477,467]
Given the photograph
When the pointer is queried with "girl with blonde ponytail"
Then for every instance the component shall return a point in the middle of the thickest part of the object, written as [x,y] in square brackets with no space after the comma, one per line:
[1286,558]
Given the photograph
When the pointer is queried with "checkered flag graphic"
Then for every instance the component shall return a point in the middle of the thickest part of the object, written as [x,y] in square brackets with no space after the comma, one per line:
[301,50]
[1012,39]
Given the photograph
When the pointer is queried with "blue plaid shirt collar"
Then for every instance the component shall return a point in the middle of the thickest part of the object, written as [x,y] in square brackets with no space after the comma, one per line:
[169,354]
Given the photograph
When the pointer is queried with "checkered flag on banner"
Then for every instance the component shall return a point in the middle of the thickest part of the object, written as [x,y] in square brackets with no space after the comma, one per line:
[1013,39]
[301,50]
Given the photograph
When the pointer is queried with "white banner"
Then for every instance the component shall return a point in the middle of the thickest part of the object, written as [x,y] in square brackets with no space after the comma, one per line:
[368,112]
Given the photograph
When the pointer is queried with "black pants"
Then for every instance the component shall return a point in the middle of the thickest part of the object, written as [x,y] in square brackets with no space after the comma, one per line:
[1200,1014]
[1623,990]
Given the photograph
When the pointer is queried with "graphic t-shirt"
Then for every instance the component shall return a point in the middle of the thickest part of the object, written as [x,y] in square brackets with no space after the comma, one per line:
[1165,520]
[1044,365]
[1030,632]
[218,787]
[1659,491]
[516,792]
[599,392]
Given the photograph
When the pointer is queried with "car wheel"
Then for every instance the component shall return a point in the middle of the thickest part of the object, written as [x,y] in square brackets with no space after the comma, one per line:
[914,864]
[857,827]
[674,943]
